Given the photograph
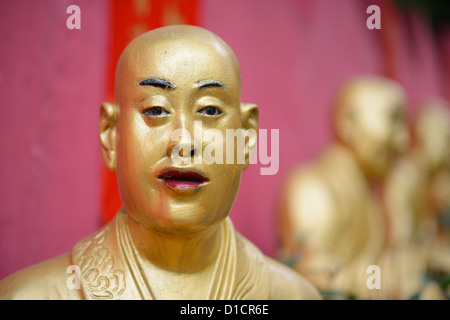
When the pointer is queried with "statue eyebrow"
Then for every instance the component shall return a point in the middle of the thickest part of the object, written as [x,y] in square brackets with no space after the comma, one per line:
[155,82]
[210,83]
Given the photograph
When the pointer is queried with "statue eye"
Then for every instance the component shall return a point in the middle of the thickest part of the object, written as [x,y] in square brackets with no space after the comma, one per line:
[155,112]
[210,111]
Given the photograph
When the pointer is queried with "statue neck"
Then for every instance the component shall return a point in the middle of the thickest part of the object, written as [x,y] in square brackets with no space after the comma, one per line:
[187,253]
[348,160]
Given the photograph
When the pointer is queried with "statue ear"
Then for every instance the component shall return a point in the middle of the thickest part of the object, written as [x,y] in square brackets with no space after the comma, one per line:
[249,116]
[107,128]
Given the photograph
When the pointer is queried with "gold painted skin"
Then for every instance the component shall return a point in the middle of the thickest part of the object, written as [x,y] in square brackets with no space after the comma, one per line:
[167,242]
[332,226]
[418,190]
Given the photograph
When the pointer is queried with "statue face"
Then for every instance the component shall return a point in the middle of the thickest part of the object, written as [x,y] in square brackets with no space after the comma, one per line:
[377,125]
[163,87]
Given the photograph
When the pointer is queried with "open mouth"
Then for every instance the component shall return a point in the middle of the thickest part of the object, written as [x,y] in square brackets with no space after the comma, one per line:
[183,180]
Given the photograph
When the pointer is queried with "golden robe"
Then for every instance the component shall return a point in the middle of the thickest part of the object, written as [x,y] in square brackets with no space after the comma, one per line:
[110,269]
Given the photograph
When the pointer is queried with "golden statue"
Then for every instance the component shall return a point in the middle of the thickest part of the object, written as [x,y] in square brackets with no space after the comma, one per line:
[418,190]
[332,224]
[173,238]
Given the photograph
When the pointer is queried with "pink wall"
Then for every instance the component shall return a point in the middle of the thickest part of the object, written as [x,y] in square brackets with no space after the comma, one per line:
[51,87]
[293,54]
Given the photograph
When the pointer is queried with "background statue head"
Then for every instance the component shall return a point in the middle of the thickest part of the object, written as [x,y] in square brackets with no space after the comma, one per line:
[432,134]
[370,120]
[167,80]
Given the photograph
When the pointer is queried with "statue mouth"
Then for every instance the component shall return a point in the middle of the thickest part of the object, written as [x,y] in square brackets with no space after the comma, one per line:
[182,180]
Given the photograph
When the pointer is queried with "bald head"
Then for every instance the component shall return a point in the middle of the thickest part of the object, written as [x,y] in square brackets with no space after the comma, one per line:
[370,119]
[434,115]
[176,52]
[368,93]
[432,132]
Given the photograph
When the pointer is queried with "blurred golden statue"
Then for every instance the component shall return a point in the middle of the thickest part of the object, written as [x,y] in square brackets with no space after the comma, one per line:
[418,189]
[332,224]
[173,238]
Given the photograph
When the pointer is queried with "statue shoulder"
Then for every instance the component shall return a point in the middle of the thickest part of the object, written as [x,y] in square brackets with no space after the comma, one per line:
[280,281]
[286,284]
[43,281]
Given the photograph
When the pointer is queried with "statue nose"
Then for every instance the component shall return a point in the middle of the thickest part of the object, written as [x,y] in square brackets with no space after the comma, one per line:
[184,148]
[179,149]
[182,144]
